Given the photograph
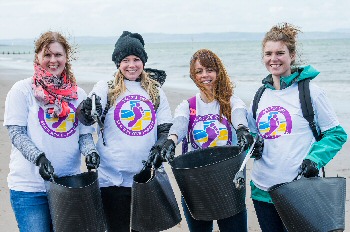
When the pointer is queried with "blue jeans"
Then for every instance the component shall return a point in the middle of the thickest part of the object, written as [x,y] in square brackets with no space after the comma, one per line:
[31,210]
[268,218]
[235,223]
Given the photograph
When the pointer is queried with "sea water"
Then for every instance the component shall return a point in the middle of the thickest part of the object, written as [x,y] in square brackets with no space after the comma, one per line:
[242,60]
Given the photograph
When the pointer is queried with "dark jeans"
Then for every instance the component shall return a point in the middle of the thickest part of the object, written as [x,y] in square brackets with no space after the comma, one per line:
[117,206]
[236,223]
[268,218]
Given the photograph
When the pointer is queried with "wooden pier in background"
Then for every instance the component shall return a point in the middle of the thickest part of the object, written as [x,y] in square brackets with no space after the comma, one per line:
[13,53]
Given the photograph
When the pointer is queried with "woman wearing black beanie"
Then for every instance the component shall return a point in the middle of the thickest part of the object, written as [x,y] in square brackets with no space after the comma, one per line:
[137,118]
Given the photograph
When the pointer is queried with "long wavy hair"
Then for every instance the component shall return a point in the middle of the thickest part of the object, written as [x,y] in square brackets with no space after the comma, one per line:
[49,37]
[222,88]
[148,84]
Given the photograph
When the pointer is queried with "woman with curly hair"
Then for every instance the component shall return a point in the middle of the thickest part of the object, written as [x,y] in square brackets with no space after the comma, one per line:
[137,118]
[221,118]
[289,144]
[46,137]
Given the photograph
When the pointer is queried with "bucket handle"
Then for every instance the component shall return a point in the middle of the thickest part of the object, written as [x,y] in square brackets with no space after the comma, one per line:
[152,170]
[52,178]
[299,175]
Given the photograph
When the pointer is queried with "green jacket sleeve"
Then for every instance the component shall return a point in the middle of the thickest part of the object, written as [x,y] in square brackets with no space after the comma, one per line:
[323,151]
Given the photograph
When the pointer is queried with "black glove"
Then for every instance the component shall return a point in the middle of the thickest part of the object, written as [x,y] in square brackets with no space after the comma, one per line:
[154,159]
[92,160]
[168,150]
[45,168]
[309,168]
[244,137]
[87,106]
[83,111]
[258,148]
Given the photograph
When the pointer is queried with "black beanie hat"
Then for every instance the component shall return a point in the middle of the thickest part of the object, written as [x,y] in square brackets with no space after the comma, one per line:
[129,44]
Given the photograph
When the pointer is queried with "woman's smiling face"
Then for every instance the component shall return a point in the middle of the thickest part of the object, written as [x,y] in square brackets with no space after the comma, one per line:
[53,58]
[131,67]
[277,58]
[205,76]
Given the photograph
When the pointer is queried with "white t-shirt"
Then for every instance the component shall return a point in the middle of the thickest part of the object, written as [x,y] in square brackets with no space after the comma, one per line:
[57,138]
[287,134]
[130,131]
[207,129]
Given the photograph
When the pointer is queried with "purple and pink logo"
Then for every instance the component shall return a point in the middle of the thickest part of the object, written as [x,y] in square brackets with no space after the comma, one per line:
[62,127]
[273,122]
[134,115]
[208,131]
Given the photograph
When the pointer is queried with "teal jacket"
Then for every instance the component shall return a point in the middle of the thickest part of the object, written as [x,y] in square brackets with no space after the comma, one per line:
[321,152]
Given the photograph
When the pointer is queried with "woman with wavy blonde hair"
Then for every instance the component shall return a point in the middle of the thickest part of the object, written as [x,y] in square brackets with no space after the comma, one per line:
[137,118]
[213,117]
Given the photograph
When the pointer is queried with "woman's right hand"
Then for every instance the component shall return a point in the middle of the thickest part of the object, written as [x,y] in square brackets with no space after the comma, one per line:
[245,139]
[46,169]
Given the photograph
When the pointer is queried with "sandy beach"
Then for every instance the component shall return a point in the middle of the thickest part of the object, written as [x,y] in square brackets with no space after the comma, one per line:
[339,166]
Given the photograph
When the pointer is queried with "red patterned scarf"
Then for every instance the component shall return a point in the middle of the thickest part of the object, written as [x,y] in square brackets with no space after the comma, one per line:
[53,93]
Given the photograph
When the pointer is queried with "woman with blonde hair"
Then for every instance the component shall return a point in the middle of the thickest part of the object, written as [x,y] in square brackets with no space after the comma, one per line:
[136,119]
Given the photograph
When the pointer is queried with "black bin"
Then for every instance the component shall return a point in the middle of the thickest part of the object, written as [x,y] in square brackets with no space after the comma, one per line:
[311,204]
[153,203]
[205,179]
[75,203]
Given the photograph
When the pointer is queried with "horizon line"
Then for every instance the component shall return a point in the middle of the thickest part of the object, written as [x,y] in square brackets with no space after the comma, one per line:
[337,31]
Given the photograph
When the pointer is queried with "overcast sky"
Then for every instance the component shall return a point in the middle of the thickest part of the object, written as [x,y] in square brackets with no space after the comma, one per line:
[29,18]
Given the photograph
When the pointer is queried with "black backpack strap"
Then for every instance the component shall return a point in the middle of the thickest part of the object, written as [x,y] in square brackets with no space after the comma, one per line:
[306,106]
[307,109]
[256,100]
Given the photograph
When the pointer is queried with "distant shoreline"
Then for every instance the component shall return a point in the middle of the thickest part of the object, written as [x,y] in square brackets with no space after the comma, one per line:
[174,38]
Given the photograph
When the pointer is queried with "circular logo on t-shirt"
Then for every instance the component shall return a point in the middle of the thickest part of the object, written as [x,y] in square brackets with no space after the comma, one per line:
[208,131]
[273,122]
[62,127]
[134,115]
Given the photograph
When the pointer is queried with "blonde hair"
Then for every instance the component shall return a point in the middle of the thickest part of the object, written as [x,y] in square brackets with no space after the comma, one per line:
[50,37]
[285,32]
[151,86]
[223,87]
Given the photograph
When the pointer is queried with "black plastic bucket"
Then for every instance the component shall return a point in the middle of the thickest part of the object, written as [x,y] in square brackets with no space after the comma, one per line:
[153,203]
[75,203]
[205,179]
[311,204]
